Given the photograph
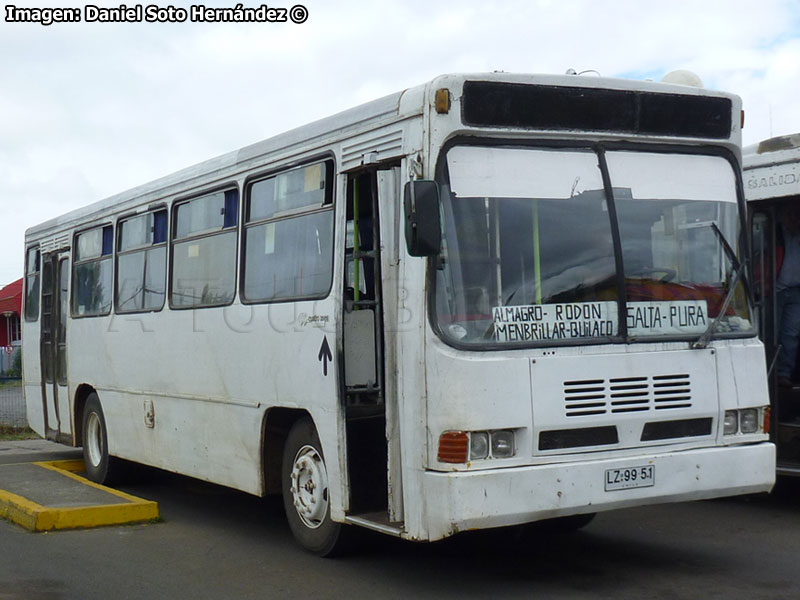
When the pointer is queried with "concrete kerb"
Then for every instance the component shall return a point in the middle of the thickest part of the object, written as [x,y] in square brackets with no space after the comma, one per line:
[33,516]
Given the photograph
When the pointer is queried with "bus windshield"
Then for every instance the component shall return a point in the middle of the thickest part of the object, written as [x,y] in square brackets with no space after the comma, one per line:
[528,252]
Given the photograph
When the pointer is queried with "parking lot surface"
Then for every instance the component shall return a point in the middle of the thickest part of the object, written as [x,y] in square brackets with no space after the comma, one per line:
[218,543]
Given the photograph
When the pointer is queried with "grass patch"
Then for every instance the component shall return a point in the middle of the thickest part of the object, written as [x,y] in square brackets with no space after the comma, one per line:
[12,434]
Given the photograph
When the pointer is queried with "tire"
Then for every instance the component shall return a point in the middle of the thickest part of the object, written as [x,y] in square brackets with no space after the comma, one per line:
[306,497]
[100,467]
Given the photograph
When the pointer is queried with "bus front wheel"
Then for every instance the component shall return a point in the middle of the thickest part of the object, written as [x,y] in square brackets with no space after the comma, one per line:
[100,467]
[306,495]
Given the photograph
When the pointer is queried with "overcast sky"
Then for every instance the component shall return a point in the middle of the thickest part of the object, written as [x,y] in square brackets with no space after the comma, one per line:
[91,109]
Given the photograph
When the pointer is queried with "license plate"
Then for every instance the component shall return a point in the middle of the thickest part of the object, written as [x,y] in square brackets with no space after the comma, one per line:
[630,477]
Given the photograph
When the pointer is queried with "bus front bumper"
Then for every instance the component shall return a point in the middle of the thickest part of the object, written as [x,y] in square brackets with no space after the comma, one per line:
[462,501]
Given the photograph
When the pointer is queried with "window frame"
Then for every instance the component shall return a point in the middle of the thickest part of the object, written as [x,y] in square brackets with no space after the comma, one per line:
[59,337]
[172,223]
[600,148]
[75,263]
[38,273]
[328,161]
[151,209]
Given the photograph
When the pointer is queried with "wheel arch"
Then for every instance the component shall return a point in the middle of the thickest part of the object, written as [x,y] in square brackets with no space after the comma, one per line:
[274,431]
[81,394]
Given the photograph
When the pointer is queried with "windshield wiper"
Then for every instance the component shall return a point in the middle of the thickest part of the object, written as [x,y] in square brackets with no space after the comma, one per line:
[703,340]
[729,251]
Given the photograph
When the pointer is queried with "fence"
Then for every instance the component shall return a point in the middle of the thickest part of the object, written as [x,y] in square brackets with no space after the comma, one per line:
[12,403]
[11,360]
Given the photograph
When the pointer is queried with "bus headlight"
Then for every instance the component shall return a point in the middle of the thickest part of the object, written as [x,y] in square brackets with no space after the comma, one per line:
[478,445]
[731,422]
[460,446]
[502,444]
[748,420]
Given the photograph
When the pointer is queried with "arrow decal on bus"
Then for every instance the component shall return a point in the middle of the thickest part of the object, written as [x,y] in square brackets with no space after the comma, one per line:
[325,355]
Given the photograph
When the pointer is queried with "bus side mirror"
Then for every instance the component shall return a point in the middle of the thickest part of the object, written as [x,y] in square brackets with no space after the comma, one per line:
[423,228]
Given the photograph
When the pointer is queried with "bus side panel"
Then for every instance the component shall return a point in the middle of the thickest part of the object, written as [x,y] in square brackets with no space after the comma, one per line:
[32,375]
[742,378]
[207,376]
[208,440]
[411,392]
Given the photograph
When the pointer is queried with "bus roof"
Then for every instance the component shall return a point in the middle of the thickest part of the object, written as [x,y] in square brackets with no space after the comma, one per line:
[282,147]
[772,150]
[772,168]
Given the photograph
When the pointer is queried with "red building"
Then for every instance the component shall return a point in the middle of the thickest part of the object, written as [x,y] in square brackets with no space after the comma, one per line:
[10,311]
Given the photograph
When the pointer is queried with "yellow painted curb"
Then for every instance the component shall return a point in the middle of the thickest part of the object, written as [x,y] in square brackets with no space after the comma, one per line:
[35,517]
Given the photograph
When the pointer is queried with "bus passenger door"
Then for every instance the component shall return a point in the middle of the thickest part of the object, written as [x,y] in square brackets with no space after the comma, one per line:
[767,258]
[363,340]
[53,346]
[764,275]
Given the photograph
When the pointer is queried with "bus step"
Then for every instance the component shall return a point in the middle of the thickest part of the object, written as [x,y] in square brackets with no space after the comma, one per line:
[363,389]
[377,521]
[788,468]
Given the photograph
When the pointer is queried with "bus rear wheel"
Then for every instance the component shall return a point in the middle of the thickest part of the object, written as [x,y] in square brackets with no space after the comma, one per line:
[100,467]
[306,495]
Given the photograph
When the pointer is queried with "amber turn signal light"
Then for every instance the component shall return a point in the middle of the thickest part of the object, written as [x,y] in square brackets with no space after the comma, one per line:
[442,101]
[453,447]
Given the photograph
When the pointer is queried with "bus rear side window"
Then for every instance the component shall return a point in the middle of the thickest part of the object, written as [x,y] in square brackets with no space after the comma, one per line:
[142,262]
[32,285]
[91,272]
[204,250]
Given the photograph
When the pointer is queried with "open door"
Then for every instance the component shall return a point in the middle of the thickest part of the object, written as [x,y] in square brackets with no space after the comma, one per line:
[785,400]
[53,346]
[373,459]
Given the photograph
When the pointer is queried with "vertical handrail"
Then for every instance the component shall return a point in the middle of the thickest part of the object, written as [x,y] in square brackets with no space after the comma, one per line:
[356,247]
[537,258]
[377,287]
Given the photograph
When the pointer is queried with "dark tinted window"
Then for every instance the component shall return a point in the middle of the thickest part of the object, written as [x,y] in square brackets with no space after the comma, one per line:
[32,277]
[498,104]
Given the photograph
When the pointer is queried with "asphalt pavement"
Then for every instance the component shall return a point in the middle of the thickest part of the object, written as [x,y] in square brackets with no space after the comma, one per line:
[214,542]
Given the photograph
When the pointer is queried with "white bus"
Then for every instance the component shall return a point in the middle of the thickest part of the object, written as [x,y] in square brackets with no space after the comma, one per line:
[772,189]
[485,301]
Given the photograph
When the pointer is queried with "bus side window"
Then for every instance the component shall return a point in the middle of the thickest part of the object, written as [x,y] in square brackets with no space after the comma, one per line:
[288,246]
[32,277]
[91,272]
[142,262]
[204,250]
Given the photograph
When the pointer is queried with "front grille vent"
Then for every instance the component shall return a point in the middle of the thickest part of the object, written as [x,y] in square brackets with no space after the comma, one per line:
[670,430]
[578,438]
[587,397]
